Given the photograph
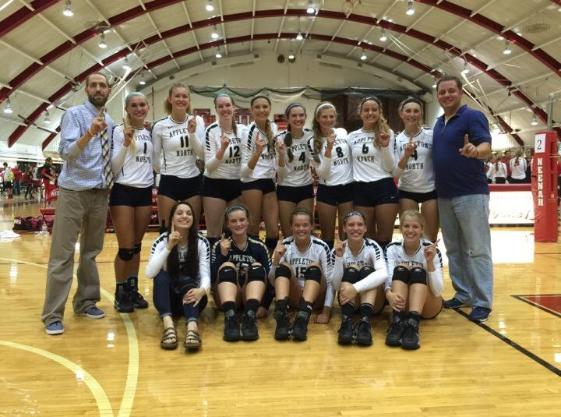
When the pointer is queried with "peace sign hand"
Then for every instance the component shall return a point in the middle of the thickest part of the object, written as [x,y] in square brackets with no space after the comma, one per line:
[469,150]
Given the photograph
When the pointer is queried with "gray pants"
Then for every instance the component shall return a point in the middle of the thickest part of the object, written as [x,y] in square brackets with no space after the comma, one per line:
[83,212]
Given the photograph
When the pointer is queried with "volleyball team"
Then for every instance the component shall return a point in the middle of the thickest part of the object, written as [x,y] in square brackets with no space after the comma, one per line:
[256,173]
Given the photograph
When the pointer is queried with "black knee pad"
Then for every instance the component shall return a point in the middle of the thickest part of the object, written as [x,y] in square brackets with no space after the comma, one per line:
[227,274]
[350,275]
[125,254]
[313,273]
[283,271]
[418,276]
[256,272]
[400,273]
[365,271]
[137,248]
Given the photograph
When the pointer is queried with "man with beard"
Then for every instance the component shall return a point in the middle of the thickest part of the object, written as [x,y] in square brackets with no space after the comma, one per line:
[84,183]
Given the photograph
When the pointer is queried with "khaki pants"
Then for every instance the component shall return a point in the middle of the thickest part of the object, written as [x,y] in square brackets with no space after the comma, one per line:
[83,212]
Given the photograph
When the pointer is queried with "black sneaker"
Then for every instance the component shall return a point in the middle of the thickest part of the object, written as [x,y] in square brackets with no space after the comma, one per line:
[123,300]
[345,331]
[410,336]
[283,326]
[231,327]
[249,327]
[137,298]
[364,333]
[454,303]
[300,327]
[393,336]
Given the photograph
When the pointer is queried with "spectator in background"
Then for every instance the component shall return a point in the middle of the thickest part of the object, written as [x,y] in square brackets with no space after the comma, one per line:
[17,179]
[518,168]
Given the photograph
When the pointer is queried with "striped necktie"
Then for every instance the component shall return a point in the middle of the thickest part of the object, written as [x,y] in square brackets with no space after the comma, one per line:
[106,154]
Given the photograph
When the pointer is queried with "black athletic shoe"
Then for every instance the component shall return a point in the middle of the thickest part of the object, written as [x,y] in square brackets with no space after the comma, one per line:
[300,327]
[282,330]
[137,298]
[123,300]
[231,327]
[364,333]
[410,336]
[395,331]
[249,327]
[345,332]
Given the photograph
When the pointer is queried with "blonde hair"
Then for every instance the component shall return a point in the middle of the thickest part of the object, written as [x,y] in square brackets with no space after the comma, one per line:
[381,124]
[167,104]
[317,141]
[234,124]
[412,214]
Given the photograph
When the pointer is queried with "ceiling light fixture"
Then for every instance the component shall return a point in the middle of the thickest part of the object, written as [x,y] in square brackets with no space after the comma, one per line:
[410,8]
[8,108]
[507,50]
[383,36]
[363,57]
[311,9]
[534,121]
[67,11]
[47,117]
[102,44]
[218,54]
[299,37]
[209,6]
[214,35]
[465,71]
[126,65]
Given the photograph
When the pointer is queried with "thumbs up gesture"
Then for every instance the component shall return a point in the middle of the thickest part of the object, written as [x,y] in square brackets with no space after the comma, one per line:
[469,150]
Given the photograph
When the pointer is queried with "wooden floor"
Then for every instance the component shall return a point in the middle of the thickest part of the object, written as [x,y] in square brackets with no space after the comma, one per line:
[114,367]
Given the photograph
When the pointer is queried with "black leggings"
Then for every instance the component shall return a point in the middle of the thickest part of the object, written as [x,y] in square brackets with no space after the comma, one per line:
[168,297]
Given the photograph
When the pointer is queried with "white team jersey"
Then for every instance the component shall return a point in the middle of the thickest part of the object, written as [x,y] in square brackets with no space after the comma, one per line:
[177,149]
[395,255]
[296,173]
[489,170]
[159,255]
[370,163]
[497,170]
[338,171]
[229,167]
[317,252]
[418,176]
[370,254]
[518,168]
[132,165]
[265,168]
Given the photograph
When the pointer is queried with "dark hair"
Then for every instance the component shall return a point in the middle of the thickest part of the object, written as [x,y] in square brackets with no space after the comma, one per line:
[288,136]
[167,104]
[317,142]
[353,213]
[449,78]
[234,125]
[97,73]
[410,100]
[191,264]
[268,129]
[382,123]
[301,211]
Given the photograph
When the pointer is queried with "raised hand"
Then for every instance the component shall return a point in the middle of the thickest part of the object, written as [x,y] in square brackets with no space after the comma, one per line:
[279,251]
[224,140]
[339,245]
[331,139]
[128,132]
[98,123]
[469,150]
[410,148]
[191,124]
[430,251]
[260,143]
[225,245]
[383,139]
[173,238]
[281,146]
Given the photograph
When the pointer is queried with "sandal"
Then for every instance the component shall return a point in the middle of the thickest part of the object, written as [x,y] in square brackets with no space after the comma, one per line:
[169,339]
[192,340]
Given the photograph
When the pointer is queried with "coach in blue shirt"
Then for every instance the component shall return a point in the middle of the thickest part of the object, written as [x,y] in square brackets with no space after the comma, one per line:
[461,142]
[85,142]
